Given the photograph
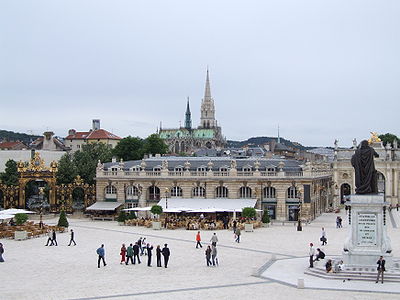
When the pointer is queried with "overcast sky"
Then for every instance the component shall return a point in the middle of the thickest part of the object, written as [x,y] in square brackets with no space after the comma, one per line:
[320,69]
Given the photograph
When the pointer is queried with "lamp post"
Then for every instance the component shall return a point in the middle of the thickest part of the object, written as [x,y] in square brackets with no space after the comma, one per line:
[166,198]
[299,227]
[41,193]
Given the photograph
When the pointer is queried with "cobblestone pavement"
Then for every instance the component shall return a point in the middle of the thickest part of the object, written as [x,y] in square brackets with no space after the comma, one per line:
[33,271]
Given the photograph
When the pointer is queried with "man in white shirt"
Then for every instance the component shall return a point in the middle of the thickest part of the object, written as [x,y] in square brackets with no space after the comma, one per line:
[311,253]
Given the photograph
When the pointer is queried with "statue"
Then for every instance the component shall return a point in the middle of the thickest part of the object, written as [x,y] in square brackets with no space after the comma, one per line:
[374,138]
[336,143]
[354,143]
[364,167]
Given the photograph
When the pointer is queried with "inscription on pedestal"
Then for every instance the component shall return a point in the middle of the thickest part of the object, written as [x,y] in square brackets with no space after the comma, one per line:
[367,225]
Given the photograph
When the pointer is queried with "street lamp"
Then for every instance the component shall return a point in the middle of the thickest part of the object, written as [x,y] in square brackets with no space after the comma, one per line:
[41,197]
[166,198]
[299,227]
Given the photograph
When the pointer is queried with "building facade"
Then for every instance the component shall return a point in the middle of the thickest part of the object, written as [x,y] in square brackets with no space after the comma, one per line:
[387,166]
[187,139]
[76,139]
[283,187]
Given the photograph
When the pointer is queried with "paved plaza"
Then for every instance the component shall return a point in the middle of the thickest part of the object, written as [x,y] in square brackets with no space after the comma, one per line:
[33,271]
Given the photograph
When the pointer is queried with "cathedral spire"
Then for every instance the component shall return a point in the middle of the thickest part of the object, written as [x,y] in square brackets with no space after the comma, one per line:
[207,92]
[188,116]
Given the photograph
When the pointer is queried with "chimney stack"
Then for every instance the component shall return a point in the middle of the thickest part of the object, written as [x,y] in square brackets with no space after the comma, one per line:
[96,124]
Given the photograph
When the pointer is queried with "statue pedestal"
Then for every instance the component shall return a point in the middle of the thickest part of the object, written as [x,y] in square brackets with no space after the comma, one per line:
[368,239]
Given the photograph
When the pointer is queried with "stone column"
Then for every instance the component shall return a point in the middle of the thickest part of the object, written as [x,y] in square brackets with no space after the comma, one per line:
[281,211]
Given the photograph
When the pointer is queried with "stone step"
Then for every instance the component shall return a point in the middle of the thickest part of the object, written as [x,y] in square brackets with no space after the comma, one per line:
[366,276]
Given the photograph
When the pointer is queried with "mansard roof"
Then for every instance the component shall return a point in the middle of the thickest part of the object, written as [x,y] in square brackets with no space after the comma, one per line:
[218,162]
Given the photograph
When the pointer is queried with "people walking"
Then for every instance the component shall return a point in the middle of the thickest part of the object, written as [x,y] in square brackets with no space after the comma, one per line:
[149,254]
[1,252]
[323,237]
[337,222]
[136,250]
[238,233]
[129,254]
[208,256]
[234,225]
[123,254]
[311,253]
[214,255]
[214,239]
[54,239]
[166,253]
[49,238]
[198,240]
[381,268]
[72,238]
[158,254]
[101,253]
[143,247]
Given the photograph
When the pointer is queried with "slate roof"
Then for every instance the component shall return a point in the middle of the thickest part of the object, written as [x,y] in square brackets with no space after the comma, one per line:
[218,162]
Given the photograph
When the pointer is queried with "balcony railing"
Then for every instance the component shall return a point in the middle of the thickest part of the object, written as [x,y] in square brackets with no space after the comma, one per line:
[245,173]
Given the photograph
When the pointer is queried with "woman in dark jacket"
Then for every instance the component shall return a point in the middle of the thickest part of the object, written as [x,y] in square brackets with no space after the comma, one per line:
[208,256]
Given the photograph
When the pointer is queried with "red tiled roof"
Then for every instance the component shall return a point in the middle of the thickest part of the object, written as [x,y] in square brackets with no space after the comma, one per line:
[102,134]
[9,145]
[79,135]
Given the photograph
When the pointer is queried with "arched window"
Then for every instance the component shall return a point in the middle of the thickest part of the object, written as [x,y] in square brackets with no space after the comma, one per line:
[179,170]
[224,171]
[199,191]
[177,147]
[221,192]
[132,191]
[110,189]
[176,191]
[292,193]
[269,192]
[245,192]
[154,193]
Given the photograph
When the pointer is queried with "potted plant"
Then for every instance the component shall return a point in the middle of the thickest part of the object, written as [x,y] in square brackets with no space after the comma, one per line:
[62,220]
[20,219]
[265,218]
[248,213]
[156,210]
[122,218]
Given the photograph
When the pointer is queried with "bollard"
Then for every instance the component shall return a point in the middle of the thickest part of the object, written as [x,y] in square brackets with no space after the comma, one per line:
[300,283]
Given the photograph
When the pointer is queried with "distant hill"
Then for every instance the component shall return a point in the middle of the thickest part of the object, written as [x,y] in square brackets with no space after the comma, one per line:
[261,140]
[16,136]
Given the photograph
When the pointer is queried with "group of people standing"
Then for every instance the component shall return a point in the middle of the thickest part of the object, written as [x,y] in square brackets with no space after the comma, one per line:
[133,252]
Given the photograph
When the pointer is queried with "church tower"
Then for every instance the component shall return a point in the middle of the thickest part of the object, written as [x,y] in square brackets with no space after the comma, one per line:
[188,117]
[207,119]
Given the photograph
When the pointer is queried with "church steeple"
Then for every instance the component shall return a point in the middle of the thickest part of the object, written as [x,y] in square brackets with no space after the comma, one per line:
[188,117]
[207,119]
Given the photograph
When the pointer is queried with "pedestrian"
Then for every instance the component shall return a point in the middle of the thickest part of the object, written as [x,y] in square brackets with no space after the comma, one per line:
[226,221]
[208,255]
[166,253]
[123,254]
[144,247]
[214,239]
[54,239]
[136,250]
[158,254]
[1,252]
[234,226]
[214,255]
[320,255]
[198,240]
[129,254]
[139,242]
[50,238]
[397,207]
[238,233]
[381,268]
[340,222]
[337,222]
[311,253]
[101,253]
[72,238]
[323,238]
[149,254]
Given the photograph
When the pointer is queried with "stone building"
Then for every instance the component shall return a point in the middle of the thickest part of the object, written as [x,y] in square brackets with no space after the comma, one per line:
[208,134]
[76,139]
[387,166]
[283,187]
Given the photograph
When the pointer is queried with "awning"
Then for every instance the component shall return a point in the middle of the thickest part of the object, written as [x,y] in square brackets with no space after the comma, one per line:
[104,206]
[14,211]
[5,217]
[207,205]
[138,208]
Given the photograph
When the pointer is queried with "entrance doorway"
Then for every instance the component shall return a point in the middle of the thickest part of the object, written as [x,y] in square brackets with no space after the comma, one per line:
[37,195]
[293,212]
[78,199]
[345,191]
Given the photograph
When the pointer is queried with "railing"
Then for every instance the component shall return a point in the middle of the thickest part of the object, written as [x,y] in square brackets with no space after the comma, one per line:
[269,173]
[198,173]
[293,174]
[153,173]
[221,173]
[245,173]
[176,173]
[134,173]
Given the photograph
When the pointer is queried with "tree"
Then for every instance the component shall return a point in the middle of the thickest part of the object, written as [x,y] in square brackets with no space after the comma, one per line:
[153,144]
[156,210]
[62,221]
[67,170]
[122,217]
[388,138]
[248,212]
[129,148]
[265,217]
[10,175]
[21,218]
[86,159]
